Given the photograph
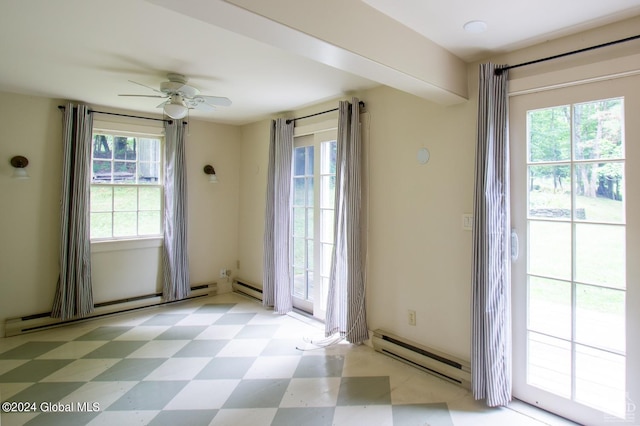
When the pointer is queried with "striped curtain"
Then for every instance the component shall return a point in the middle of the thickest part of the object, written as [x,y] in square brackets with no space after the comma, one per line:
[74,294]
[346,301]
[276,283]
[491,275]
[175,259]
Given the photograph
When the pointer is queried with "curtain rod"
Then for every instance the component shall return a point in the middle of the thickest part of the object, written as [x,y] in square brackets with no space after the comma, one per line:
[318,113]
[91,111]
[498,71]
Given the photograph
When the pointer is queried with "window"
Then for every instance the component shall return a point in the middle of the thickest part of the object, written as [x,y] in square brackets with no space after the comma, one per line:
[312,218]
[126,186]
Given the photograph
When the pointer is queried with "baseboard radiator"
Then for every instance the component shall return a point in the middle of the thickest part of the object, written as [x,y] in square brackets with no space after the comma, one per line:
[432,361]
[246,288]
[37,322]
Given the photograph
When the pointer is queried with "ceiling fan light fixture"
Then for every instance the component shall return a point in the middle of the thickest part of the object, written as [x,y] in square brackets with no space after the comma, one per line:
[475,27]
[176,108]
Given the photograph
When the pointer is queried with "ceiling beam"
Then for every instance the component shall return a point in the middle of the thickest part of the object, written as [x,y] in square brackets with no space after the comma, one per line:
[359,40]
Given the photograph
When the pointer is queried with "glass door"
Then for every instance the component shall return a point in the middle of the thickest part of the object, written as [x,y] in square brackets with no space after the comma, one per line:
[314,174]
[573,280]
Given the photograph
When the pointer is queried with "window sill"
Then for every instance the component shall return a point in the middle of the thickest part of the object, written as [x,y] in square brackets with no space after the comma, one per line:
[120,245]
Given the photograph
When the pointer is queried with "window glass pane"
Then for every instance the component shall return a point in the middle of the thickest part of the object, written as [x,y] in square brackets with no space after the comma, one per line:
[299,225]
[148,172]
[600,380]
[309,168]
[326,234]
[125,198]
[550,307]
[101,171]
[550,249]
[149,150]
[299,161]
[149,223]
[103,146]
[101,200]
[598,129]
[125,224]
[309,187]
[299,254]
[599,189]
[299,282]
[298,191]
[328,163]
[600,254]
[125,148]
[100,225]
[310,254]
[549,365]
[150,198]
[600,317]
[310,222]
[550,192]
[549,134]
[124,172]
[328,191]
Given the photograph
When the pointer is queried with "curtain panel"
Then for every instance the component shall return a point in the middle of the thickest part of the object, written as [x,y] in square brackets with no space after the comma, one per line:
[276,282]
[175,259]
[491,270]
[74,293]
[346,301]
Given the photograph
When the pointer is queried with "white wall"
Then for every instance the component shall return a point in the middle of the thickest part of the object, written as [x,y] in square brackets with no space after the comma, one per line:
[29,216]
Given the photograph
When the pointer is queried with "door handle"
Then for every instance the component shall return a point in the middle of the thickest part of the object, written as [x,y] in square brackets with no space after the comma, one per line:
[514,245]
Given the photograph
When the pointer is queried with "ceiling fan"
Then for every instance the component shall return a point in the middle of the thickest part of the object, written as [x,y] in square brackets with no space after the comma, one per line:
[181,97]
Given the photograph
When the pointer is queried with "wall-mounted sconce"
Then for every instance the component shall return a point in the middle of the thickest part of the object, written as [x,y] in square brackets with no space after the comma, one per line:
[209,170]
[19,164]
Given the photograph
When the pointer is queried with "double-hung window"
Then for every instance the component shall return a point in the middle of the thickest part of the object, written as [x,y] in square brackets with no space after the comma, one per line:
[312,219]
[126,186]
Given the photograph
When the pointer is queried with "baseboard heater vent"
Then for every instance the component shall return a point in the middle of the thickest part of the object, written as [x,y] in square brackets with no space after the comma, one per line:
[37,322]
[435,362]
[252,290]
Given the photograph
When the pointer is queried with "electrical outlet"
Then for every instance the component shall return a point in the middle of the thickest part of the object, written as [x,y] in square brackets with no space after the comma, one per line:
[411,317]
[223,273]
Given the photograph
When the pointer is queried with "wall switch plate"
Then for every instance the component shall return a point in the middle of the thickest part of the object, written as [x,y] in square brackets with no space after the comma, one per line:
[223,273]
[467,221]
[411,317]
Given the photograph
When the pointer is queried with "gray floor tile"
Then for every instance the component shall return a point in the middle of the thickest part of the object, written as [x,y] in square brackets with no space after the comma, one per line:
[436,414]
[148,395]
[30,350]
[261,393]
[226,368]
[116,349]
[184,417]
[182,332]
[46,392]
[307,416]
[364,390]
[215,308]
[104,333]
[257,332]
[320,366]
[34,371]
[130,369]
[283,347]
[234,319]
[201,348]
[164,319]
[62,419]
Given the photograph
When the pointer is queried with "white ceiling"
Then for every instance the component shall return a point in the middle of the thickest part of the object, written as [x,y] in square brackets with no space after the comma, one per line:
[87,50]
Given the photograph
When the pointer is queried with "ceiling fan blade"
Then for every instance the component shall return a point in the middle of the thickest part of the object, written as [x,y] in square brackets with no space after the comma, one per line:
[144,85]
[202,106]
[216,100]
[162,104]
[145,96]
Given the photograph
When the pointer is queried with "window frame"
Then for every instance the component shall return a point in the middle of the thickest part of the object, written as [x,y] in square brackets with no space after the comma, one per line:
[139,132]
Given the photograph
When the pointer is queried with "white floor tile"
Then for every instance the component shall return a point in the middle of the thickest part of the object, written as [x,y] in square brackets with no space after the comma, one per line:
[10,364]
[273,367]
[247,416]
[104,393]
[244,347]
[200,319]
[7,390]
[110,418]
[73,350]
[145,332]
[178,369]
[219,332]
[81,370]
[158,349]
[203,395]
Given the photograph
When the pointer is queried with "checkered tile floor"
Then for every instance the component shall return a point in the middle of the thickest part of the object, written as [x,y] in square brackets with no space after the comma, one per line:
[223,360]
